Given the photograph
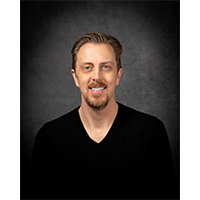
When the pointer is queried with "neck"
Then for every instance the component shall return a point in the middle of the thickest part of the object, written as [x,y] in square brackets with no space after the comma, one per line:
[98,123]
[98,118]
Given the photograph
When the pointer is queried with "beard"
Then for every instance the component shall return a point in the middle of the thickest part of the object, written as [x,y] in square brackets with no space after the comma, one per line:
[98,104]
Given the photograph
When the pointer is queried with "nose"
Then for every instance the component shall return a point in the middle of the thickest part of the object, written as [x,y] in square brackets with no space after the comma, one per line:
[96,76]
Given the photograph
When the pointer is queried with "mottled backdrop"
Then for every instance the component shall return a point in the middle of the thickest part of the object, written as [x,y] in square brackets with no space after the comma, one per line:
[149,33]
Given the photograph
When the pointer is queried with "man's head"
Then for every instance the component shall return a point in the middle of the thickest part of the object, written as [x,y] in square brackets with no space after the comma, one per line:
[97,69]
[97,38]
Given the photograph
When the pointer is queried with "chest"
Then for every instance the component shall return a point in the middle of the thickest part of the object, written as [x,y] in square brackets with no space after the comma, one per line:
[121,157]
[97,135]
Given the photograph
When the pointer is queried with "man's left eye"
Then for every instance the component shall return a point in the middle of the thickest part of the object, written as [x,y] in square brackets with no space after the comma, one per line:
[87,67]
[106,67]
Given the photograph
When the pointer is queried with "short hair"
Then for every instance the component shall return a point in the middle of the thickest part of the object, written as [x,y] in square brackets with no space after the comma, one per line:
[97,38]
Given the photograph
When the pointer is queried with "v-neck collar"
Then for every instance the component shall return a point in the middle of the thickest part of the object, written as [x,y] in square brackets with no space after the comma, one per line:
[106,139]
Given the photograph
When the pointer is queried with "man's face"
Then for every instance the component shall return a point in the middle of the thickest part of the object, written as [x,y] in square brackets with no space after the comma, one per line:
[96,74]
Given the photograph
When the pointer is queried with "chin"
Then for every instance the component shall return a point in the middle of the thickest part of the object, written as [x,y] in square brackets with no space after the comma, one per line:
[98,103]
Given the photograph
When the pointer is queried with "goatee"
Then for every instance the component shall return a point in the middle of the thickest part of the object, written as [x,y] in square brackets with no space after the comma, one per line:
[98,104]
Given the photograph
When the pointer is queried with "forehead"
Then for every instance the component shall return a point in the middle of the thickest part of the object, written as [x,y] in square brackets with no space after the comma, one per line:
[94,51]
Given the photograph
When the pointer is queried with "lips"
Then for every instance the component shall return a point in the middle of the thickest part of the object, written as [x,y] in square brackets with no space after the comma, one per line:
[97,88]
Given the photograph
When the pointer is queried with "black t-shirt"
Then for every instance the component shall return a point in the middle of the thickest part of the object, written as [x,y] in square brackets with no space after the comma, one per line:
[133,160]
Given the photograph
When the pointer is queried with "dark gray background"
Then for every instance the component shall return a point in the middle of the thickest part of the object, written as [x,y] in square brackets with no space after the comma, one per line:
[149,33]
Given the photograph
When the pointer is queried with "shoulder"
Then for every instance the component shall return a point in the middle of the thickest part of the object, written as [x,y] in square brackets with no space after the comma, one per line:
[63,120]
[59,125]
[142,127]
[128,114]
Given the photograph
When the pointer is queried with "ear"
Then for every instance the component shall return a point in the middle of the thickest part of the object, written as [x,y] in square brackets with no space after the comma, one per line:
[75,77]
[119,76]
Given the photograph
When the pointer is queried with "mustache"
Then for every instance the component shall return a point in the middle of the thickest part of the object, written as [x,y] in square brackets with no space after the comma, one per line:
[97,84]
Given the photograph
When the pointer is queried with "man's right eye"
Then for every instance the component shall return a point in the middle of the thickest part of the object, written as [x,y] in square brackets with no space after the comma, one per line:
[87,67]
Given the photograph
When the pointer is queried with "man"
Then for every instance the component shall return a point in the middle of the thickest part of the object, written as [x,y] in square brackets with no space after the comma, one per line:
[102,149]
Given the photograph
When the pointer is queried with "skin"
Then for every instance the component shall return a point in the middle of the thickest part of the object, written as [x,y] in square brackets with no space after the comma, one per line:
[96,67]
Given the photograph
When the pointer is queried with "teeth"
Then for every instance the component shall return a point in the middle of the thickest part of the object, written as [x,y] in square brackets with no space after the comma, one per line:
[98,88]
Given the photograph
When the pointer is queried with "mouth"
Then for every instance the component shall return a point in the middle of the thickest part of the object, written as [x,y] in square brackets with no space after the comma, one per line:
[97,90]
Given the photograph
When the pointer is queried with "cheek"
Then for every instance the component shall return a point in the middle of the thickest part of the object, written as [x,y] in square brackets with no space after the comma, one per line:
[77,83]
[113,81]
[111,85]
[83,82]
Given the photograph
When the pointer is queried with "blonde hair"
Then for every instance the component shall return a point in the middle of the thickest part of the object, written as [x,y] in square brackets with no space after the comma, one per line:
[95,37]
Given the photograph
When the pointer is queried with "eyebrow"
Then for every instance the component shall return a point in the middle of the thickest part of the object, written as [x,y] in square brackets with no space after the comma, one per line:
[102,63]
[110,62]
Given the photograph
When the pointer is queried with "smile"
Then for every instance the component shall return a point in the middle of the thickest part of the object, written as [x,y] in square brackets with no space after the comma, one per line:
[97,89]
